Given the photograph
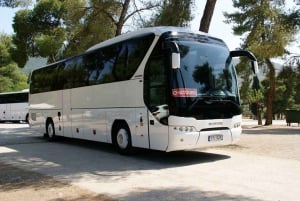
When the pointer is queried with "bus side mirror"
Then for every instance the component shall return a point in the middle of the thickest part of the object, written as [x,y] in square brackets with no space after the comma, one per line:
[249,55]
[175,60]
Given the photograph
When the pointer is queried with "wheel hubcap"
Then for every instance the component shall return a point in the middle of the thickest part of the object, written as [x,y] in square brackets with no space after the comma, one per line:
[50,130]
[122,138]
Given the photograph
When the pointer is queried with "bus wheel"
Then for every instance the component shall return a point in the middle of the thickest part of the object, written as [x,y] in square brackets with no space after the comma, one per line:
[122,139]
[50,132]
[27,118]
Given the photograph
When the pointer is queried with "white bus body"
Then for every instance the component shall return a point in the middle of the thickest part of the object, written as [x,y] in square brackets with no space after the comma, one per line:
[14,106]
[127,92]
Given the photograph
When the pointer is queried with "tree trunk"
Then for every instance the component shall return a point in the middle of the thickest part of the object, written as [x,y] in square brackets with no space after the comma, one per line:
[121,21]
[259,120]
[207,15]
[271,93]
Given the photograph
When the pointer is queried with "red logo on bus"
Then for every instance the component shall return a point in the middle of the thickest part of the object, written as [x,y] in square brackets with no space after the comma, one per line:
[184,92]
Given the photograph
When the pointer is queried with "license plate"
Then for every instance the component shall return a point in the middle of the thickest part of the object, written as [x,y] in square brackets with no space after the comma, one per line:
[214,138]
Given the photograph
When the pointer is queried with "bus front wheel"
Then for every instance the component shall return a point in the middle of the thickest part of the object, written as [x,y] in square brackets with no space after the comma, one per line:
[122,139]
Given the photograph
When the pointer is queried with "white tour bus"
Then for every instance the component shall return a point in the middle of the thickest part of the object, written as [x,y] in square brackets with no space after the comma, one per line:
[14,106]
[161,88]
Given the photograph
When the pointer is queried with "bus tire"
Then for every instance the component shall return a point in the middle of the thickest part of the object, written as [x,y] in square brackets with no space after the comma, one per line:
[122,138]
[50,131]
[27,118]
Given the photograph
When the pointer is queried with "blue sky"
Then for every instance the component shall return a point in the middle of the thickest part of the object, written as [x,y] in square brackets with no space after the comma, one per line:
[218,28]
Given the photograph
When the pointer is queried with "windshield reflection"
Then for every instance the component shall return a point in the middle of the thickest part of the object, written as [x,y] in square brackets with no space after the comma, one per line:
[207,70]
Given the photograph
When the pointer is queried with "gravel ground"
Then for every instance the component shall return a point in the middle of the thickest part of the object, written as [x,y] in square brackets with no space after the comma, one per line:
[20,185]
[275,141]
[278,141]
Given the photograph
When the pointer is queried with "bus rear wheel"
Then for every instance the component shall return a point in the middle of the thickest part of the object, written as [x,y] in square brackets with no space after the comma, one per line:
[50,132]
[122,139]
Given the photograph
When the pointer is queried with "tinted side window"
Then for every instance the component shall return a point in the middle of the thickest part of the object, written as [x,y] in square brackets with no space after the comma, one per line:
[75,73]
[107,62]
[44,79]
[14,98]
[131,55]
[93,67]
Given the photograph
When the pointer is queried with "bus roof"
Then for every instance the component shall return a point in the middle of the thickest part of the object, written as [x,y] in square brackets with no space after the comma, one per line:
[155,30]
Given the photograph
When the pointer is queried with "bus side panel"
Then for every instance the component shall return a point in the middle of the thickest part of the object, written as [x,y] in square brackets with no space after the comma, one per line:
[65,103]
[37,120]
[43,106]
[89,124]
[133,117]
[95,125]
[95,108]
[126,94]
[8,114]
[19,111]
[140,134]
[3,112]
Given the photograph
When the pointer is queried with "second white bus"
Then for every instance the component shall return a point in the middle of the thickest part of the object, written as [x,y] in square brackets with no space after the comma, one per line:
[161,88]
[14,106]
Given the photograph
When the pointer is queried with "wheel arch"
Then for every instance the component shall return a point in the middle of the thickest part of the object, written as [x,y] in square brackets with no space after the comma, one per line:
[116,125]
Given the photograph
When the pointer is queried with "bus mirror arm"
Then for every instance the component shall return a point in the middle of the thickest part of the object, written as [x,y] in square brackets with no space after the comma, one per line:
[175,60]
[173,46]
[254,67]
[250,55]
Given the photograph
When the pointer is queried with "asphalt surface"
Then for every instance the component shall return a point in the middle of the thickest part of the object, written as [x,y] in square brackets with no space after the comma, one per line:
[234,173]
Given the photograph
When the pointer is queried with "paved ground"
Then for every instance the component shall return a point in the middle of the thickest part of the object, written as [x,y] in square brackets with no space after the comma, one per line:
[264,165]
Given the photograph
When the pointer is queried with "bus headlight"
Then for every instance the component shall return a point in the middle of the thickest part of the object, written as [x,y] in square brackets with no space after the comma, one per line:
[184,129]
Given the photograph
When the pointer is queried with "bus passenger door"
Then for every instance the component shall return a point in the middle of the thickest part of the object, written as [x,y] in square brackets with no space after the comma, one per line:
[158,133]
[156,99]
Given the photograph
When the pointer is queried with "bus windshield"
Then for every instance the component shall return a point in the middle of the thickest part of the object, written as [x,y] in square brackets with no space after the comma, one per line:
[205,85]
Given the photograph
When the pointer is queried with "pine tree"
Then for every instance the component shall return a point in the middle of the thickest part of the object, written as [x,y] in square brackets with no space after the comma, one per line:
[268,29]
[207,15]
[11,79]
[172,13]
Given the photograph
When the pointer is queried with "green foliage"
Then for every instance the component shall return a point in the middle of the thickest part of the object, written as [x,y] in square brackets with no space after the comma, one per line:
[266,25]
[15,3]
[297,88]
[172,13]
[34,26]
[244,72]
[255,95]
[286,90]
[47,14]
[267,32]
[11,79]
[62,28]
[85,25]
[49,43]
